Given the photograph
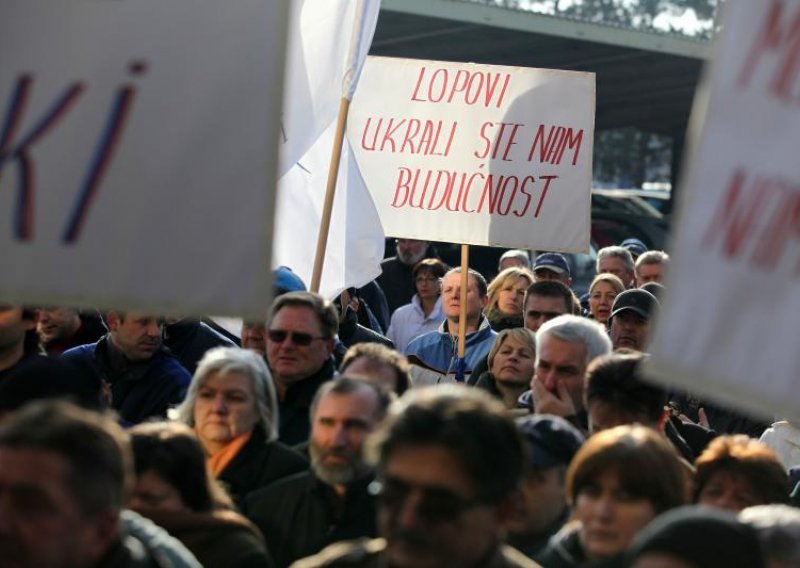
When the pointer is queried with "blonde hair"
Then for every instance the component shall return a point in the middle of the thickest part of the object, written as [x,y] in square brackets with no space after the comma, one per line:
[509,274]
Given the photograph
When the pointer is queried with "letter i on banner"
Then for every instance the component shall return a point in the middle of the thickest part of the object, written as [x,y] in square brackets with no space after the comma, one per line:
[364,29]
[460,366]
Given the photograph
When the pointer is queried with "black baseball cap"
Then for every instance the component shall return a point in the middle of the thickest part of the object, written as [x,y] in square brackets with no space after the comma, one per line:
[637,300]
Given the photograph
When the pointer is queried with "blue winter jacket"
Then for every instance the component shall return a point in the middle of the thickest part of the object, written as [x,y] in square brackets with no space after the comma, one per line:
[438,349]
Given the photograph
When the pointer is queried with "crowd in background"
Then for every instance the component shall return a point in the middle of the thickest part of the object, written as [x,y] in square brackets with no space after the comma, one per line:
[348,431]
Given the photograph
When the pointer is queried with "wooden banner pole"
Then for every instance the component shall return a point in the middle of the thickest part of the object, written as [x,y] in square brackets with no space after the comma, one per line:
[462,317]
[330,192]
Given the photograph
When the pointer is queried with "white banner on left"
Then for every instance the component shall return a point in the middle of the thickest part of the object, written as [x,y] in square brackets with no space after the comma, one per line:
[138,153]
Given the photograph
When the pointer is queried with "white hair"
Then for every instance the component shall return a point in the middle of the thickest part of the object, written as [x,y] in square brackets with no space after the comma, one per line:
[577,329]
[224,360]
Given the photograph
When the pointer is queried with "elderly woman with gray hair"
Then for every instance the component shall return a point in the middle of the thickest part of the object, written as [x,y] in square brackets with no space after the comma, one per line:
[232,408]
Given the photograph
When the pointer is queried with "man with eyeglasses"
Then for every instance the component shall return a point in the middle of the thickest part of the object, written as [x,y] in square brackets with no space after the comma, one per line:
[301,331]
[307,511]
[449,465]
[144,378]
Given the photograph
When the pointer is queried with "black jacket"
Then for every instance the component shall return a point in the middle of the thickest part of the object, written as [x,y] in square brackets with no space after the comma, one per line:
[139,390]
[189,339]
[294,409]
[351,332]
[298,516]
[395,280]
[258,464]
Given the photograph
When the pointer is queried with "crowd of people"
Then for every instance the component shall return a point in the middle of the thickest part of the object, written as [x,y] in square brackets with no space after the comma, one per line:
[349,431]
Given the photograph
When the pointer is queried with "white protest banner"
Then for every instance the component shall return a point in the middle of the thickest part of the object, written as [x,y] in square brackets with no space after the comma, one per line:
[138,152]
[729,325]
[328,41]
[356,243]
[325,64]
[476,154]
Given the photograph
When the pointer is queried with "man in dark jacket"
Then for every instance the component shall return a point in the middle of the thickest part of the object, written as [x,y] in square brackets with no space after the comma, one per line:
[301,336]
[63,477]
[395,279]
[60,329]
[144,378]
[449,465]
[17,337]
[307,511]
[188,339]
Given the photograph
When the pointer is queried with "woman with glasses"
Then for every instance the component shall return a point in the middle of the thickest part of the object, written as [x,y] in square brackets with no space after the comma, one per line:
[424,312]
[619,481]
[506,296]
[232,408]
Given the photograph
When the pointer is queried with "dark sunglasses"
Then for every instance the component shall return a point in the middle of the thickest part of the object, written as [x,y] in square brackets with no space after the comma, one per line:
[436,506]
[297,337]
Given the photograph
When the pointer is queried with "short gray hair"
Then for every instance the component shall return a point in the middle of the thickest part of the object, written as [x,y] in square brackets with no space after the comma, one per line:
[652,257]
[615,252]
[236,360]
[576,329]
[518,254]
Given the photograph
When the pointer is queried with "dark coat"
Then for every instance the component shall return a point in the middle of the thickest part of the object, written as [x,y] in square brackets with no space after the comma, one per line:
[351,333]
[298,516]
[140,390]
[258,464]
[395,280]
[90,330]
[189,339]
[295,424]
[218,539]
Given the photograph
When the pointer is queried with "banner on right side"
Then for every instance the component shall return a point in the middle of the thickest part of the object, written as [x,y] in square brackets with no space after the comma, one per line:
[729,327]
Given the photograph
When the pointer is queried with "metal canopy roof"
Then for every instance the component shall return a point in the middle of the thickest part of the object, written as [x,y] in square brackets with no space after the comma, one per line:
[645,80]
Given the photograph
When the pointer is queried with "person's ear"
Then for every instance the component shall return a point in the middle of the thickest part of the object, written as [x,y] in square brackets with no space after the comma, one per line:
[113,321]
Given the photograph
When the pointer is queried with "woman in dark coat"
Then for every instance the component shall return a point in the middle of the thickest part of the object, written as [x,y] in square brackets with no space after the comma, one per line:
[175,491]
[232,408]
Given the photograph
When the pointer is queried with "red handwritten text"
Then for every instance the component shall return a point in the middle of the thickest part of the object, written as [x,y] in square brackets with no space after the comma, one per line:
[779,35]
[470,192]
[471,87]
[759,216]
[411,136]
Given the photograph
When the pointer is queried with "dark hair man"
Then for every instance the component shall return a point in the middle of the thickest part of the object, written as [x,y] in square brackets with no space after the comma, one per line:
[144,378]
[615,395]
[60,329]
[309,510]
[301,336]
[545,300]
[65,474]
[378,364]
[449,464]
[17,326]
[552,266]
[551,444]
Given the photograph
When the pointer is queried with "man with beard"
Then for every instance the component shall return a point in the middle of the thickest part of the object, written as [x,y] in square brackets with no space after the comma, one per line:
[144,378]
[395,279]
[449,464]
[303,513]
